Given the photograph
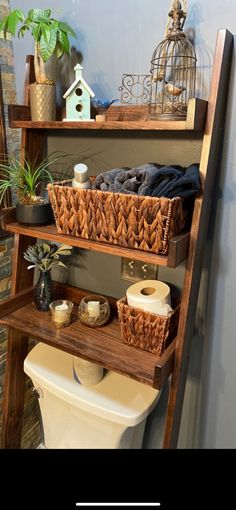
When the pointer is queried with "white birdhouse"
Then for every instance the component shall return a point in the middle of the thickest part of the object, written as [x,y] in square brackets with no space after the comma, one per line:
[78,98]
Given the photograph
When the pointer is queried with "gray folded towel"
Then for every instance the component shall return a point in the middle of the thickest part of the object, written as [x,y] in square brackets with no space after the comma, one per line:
[105,180]
[151,179]
[128,180]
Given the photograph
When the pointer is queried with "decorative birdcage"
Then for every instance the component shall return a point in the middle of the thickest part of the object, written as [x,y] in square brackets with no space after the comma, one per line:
[173,70]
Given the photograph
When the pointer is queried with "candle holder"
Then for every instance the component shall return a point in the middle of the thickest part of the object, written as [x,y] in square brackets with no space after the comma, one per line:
[94,310]
[61,312]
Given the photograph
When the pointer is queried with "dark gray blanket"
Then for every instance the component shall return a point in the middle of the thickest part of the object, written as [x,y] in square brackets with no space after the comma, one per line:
[151,179]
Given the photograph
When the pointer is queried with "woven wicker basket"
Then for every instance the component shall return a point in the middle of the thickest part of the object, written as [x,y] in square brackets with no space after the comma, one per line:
[145,330]
[131,221]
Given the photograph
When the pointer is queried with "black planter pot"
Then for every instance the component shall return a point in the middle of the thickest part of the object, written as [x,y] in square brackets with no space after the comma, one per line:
[40,214]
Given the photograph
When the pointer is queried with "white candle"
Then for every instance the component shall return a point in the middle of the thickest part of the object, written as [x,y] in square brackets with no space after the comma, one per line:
[61,307]
[93,308]
[60,313]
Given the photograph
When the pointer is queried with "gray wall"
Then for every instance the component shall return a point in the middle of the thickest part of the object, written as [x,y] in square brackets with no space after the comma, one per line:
[116,38]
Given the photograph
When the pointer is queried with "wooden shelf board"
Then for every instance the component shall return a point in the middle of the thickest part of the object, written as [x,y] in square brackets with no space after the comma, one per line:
[123,117]
[177,250]
[101,345]
[151,125]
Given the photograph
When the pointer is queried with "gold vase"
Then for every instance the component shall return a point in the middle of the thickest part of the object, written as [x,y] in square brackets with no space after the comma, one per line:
[42,102]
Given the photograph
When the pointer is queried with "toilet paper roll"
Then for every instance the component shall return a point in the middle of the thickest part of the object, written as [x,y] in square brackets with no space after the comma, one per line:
[85,372]
[150,295]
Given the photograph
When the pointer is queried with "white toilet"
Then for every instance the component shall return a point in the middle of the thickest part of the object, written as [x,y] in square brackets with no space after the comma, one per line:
[110,414]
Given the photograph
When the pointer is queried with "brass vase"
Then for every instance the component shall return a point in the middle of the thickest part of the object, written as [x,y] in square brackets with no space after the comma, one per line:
[42,102]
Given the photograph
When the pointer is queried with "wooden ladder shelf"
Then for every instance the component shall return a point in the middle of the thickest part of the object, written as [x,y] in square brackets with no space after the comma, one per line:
[106,346]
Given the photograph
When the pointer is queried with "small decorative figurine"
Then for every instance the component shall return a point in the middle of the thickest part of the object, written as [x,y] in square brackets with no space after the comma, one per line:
[101,106]
[78,98]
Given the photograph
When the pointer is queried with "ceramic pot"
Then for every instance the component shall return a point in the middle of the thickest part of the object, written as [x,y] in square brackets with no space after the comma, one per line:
[40,214]
[43,291]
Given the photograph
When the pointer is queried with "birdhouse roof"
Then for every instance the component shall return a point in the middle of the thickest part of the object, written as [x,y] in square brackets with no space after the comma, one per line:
[75,84]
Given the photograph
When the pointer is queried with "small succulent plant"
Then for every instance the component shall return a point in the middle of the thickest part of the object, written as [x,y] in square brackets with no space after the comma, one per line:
[46,255]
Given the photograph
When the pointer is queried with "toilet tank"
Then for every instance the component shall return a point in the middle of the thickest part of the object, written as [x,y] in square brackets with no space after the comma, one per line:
[105,415]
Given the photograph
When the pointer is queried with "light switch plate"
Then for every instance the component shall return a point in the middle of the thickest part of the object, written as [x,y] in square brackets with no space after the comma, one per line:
[135,270]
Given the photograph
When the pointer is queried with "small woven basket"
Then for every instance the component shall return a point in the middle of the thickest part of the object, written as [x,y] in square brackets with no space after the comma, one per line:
[131,221]
[145,330]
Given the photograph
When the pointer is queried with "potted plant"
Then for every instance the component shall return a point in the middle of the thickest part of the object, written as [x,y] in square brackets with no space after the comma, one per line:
[50,38]
[26,180]
[44,256]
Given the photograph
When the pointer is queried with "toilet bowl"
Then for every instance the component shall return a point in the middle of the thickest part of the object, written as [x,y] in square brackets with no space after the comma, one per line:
[109,414]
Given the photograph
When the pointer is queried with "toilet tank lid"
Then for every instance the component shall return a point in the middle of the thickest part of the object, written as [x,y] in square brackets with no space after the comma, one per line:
[116,397]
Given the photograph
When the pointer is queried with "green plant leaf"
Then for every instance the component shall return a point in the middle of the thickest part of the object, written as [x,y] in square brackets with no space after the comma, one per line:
[46,247]
[14,18]
[46,264]
[36,31]
[64,41]
[64,252]
[22,31]
[58,50]
[2,23]
[67,29]
[60,263]
[46,29]
[48,43]
[10,22]
[36,14]
[65,247]
[30,258]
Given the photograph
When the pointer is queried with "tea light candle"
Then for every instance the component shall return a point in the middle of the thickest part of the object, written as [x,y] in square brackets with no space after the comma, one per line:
[60,313]
[93,308]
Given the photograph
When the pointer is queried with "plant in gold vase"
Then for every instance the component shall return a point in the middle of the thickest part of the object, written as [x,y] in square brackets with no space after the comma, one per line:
[44,256]
[51,37]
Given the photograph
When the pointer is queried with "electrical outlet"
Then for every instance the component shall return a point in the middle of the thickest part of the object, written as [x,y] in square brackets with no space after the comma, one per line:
[135,270]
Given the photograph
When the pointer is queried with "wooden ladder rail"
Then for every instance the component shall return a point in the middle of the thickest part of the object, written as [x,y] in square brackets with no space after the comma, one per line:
[17,347]
[210,157]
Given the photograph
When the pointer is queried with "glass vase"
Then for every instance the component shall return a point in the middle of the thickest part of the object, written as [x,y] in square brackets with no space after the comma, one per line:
[43,291]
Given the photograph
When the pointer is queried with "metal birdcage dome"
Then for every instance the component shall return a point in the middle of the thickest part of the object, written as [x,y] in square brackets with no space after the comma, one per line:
[173,71]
